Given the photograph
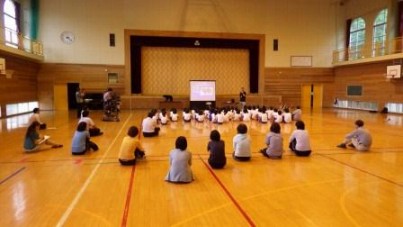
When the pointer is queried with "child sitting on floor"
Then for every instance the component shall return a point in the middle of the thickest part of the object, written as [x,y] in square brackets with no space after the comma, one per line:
[131,148]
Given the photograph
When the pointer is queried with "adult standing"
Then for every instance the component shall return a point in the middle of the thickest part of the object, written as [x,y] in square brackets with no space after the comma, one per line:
[242,97]
[108,95]
[80,101]
[107,98]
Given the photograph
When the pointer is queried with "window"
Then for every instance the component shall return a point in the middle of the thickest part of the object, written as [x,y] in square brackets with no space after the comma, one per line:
[357,38]
[358,105]
[10,23]
[379,33]
[394,107]
[113,78]
[19,108]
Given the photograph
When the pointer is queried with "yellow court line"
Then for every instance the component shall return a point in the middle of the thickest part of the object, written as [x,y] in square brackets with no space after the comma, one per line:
[305,217]
[89,213]
[201,214]
[342,202]
[290,188]
[254,196]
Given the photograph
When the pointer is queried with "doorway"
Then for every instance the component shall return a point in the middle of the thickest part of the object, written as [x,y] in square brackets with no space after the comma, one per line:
[71,95]
[312,96]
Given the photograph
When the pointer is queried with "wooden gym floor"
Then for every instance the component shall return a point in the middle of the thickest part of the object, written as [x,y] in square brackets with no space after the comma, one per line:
[332,187]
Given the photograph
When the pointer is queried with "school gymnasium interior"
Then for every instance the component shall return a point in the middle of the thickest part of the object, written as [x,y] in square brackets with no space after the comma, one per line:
[339,60]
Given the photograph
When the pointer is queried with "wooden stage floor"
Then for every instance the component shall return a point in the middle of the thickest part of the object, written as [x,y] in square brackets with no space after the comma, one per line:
[332,187]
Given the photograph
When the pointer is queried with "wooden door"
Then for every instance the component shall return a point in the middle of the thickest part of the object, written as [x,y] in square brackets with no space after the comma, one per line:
[312,96]
[60,97]
[306,94]
[317,95]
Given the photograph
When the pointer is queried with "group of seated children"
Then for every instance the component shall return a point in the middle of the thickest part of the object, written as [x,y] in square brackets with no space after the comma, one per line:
[222,115]
[180,159]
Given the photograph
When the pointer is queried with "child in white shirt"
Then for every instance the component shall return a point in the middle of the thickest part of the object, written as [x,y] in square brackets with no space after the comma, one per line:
[299,140]
[246,115]
[287,116]
[241,144]
[187,116]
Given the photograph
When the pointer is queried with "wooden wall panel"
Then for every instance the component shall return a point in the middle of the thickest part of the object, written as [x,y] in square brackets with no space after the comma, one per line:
[93,78]
[22,86]
[372,78]
[35,81]
[287,82]
[281,85]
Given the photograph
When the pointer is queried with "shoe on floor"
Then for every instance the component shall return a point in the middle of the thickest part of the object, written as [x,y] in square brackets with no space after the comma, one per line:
[351,145]
[342,145]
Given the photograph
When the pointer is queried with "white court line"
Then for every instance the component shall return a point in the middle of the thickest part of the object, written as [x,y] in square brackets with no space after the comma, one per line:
[67,213]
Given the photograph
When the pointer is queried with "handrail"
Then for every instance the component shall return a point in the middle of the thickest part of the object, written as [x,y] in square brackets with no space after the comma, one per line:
[371,50]
[19,41]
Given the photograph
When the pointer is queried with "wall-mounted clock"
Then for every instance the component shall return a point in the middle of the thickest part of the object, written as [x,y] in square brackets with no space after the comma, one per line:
[67,37]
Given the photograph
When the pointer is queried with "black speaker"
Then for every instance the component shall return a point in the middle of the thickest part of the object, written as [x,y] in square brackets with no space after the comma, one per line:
[111,39]
[275,44]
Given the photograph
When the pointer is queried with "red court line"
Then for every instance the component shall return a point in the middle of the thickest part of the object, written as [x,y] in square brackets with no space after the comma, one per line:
[12,174]
[248,219]
[364,171]
[128,198]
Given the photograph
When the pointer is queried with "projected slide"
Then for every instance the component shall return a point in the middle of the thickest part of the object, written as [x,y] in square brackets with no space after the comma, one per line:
[202,90]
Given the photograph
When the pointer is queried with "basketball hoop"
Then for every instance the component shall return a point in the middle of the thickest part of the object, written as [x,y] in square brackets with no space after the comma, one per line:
[393,71]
